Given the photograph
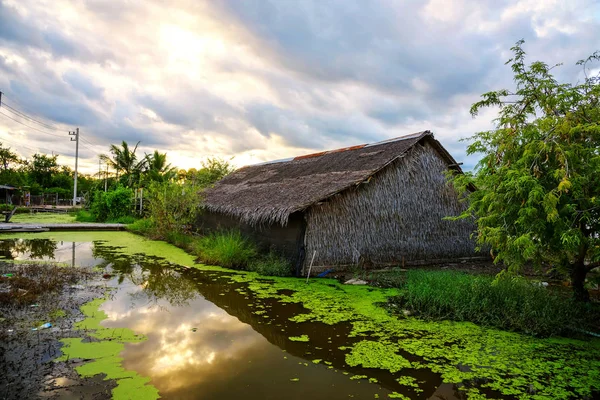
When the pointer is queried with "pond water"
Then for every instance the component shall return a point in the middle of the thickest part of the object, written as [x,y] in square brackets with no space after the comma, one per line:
[213,335]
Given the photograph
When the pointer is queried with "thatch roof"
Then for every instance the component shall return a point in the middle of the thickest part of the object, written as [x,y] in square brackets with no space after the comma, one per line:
[270,192]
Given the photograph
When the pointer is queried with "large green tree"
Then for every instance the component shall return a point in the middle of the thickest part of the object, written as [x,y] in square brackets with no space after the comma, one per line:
[213,170]
[42,168]
[537,186]
[8,158]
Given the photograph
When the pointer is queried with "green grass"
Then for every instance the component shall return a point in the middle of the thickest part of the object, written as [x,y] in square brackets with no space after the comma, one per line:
[226,249]
[126,219]
[145,227]
[19,210]
[505,302]
[44,217]
[181,240]
[271,264]
[85,216]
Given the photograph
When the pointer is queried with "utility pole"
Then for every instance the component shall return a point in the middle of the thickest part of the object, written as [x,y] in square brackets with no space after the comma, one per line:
[76,140]
[106,177]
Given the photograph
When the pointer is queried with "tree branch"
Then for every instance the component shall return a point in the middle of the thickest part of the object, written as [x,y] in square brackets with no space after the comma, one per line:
[591,266]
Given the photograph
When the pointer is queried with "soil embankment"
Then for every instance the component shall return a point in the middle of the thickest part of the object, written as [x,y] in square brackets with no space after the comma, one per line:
[39,305]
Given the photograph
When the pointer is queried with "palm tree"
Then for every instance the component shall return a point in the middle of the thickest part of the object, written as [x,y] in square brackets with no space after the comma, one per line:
[157,168]
[125,161]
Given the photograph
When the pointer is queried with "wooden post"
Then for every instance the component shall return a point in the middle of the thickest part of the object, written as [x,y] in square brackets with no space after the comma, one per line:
[311,264]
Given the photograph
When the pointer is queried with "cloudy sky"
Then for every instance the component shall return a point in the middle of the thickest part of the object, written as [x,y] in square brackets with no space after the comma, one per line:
[259,80]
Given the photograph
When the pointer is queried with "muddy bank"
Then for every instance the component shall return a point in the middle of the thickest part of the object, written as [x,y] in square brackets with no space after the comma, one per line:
[32,297]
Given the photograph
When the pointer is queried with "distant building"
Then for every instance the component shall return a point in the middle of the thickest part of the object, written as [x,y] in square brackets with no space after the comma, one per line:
[374,204]
[6,193]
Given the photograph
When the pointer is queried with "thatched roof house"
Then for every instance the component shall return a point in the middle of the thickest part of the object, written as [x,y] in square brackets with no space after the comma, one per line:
[380,203]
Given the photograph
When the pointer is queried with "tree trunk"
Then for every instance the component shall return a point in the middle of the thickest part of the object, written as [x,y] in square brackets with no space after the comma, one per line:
[578,273]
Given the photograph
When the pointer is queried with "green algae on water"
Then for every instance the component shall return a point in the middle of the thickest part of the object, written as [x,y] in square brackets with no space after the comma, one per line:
[301,338]
[509,363]
[103,356]
[369,354]
[396,395]
[128,244]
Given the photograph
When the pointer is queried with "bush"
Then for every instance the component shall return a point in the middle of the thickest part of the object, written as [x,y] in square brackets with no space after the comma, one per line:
[9,207]
[227,249]
[172,206]
[506,302]
[145,227]
[84,216]
[112,205]
[271,264]
[180,240]
[127,219]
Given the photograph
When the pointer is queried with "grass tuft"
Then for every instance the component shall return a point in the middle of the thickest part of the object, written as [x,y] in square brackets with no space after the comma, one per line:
[506,302]
[125,219]
[227,249]
[144,227]
[85,216]
[271,264]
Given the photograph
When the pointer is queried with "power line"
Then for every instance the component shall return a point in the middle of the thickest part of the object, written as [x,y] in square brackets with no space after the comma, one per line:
[88,142]
[23,115]
[38,150]
[90,149]
[30,127]
[28,118]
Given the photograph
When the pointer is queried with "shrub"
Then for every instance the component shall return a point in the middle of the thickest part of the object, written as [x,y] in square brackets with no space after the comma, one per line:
[173,206]
[271,264]
[84,216]
[145,227]
[505,302]
[112,205]
[227,249]
[180,240]
[127,219]
[19,210]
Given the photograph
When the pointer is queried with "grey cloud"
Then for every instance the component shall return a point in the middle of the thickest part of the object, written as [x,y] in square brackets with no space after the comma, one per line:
[313,54]
[301,130]
[19,31]
[188,106]
[83,84]
[5,65]
[55,108]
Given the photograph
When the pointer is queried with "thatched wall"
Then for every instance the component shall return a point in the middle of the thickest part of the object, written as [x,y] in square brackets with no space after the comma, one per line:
[287,241]
[398,215]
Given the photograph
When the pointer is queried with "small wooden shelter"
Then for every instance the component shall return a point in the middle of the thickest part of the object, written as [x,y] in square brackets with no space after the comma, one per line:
[376,204]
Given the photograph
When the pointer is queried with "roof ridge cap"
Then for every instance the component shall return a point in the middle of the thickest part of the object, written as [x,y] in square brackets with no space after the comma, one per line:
[347,148]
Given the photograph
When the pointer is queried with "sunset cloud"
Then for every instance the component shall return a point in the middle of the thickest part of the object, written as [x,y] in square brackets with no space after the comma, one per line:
[260,80]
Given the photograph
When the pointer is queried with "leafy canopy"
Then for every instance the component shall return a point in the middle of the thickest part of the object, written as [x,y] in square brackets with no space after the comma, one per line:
[537,196]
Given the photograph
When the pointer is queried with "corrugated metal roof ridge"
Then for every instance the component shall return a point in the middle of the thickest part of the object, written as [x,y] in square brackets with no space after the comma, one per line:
[349,148]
